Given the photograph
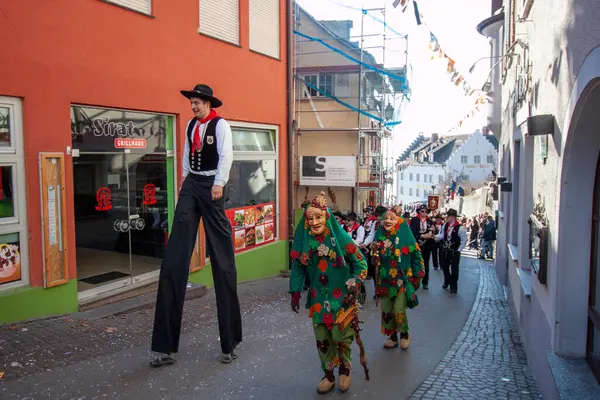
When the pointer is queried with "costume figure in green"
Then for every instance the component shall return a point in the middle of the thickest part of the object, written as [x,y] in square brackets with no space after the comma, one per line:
[399,270]
[336,269]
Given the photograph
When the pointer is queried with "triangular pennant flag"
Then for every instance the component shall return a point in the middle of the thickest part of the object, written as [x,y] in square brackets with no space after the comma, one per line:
[417,14]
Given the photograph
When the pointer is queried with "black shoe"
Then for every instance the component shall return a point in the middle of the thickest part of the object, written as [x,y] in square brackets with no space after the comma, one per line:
[445,286]
[425,287]
[453,291]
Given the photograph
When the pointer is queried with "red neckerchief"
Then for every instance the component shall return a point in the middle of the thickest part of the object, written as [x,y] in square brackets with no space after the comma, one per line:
[449,227]
[197,143]
[350,230]
[371,218]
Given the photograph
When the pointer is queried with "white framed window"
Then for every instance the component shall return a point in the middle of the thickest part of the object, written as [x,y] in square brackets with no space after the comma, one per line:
[410,191]
[401,190]
[430,178]
[418,177]
[324,82]
[464,159]
[264,27]
[418,192]
[220,19]
[14,257]
[491,160]
[410,177]
[401,176]
[142,6]
[477,159]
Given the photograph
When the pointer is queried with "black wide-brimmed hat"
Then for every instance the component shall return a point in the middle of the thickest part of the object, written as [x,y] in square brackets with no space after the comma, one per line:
[423,207]
[204,92]
[452,213]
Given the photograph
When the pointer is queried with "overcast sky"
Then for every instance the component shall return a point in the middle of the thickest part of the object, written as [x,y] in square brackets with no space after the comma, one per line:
[436,103]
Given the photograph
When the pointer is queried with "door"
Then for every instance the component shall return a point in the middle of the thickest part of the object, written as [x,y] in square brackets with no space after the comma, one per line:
[124,195]
[593,333]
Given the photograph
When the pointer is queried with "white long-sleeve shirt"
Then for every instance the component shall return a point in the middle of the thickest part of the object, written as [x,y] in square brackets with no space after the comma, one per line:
[462,234]
[360,236]
[371,237]
[224,149]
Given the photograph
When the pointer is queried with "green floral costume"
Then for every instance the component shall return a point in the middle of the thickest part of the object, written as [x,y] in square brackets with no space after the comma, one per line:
[400,272]
[333,264]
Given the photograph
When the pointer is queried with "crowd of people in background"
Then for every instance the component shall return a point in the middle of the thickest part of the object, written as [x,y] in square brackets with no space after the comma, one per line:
[441,238]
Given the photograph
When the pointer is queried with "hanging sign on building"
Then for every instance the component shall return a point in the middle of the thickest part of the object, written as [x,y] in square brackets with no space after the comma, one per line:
[328,171]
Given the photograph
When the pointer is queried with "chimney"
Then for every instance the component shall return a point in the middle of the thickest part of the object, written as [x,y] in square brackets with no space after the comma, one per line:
[435,137]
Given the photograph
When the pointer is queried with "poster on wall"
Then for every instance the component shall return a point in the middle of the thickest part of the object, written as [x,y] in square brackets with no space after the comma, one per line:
[328,171]
[252,226]
[10,258]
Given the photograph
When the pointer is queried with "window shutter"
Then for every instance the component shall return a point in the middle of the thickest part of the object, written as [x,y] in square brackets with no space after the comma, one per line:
[264,27]
[143,6]
[220,19]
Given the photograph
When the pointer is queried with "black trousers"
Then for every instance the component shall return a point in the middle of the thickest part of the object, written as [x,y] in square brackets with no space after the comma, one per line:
[428,251]
[450,266]
[435,255]
[195,203]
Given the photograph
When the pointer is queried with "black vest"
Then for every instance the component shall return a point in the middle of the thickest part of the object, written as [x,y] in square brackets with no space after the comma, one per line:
[454,242]
[206,159]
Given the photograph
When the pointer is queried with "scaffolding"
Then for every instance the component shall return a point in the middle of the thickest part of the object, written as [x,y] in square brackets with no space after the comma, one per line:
[378,89]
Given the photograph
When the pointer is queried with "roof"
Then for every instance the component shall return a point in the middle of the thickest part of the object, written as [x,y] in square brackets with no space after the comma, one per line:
[368,57]
[494,141]
[411,148]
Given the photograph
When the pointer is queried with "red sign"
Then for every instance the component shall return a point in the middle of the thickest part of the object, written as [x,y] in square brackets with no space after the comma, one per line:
[121,143]
[149,194]
[103,197]
[252,225]
[433,202]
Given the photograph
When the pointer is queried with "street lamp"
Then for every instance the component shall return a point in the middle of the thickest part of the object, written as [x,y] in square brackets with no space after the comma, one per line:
[389,112]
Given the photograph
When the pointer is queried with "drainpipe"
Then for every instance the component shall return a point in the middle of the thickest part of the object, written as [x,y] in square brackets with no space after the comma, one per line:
[290,127]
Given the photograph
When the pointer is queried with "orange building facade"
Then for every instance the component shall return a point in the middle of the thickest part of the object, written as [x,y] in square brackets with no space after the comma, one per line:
[92,128]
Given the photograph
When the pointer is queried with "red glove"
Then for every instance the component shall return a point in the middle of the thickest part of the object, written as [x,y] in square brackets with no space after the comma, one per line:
[295,302]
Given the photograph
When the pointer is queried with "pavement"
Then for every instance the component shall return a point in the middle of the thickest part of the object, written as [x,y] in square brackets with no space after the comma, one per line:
[453,338]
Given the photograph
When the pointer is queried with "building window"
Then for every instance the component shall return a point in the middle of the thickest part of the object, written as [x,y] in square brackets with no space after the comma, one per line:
[477,159]
[410,191]
[418,177]
[342,86]
[417,192]
[430,178]
[220,19]
[14,270]
[401,176]
[264,27]
[320,85]
[464,159]
[491,160]
[440,178]
[410,177]
[142,6]
[402,190]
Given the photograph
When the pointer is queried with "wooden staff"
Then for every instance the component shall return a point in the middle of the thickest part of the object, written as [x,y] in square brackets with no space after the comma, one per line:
[350,317]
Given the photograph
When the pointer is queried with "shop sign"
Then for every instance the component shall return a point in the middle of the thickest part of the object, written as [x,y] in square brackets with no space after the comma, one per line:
[149,194]
[253,226]
[328,171]
[104,130]
[104,199]
[130,143]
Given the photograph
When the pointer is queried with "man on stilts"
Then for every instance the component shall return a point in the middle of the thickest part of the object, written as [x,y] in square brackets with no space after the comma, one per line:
[207,159]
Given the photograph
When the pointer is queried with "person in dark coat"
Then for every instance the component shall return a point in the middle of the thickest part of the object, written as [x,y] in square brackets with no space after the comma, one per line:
[207,159]
[423,230]
[473,235]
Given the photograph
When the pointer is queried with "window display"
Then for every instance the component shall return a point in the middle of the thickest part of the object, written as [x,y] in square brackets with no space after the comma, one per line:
[10,258]
[252,226]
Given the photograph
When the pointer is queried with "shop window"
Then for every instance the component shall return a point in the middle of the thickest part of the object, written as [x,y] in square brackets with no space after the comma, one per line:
[13,218]
[220,19]
[251,192]
[264,27]
[142,6]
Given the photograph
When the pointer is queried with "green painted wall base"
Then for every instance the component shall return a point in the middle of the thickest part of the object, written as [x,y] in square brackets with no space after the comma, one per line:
[32,302]
[262,262]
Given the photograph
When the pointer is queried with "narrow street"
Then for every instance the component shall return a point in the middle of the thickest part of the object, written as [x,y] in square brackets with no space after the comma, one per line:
[278,359]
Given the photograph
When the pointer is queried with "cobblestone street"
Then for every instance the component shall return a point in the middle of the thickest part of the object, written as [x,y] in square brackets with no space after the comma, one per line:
[487,361]
[67,358]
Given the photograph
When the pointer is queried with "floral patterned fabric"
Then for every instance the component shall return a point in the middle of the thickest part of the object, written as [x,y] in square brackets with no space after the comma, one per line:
[400,262]
[333,264]
[334,347]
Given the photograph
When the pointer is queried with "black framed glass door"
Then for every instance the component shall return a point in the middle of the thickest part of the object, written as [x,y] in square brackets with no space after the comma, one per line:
[593,327]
